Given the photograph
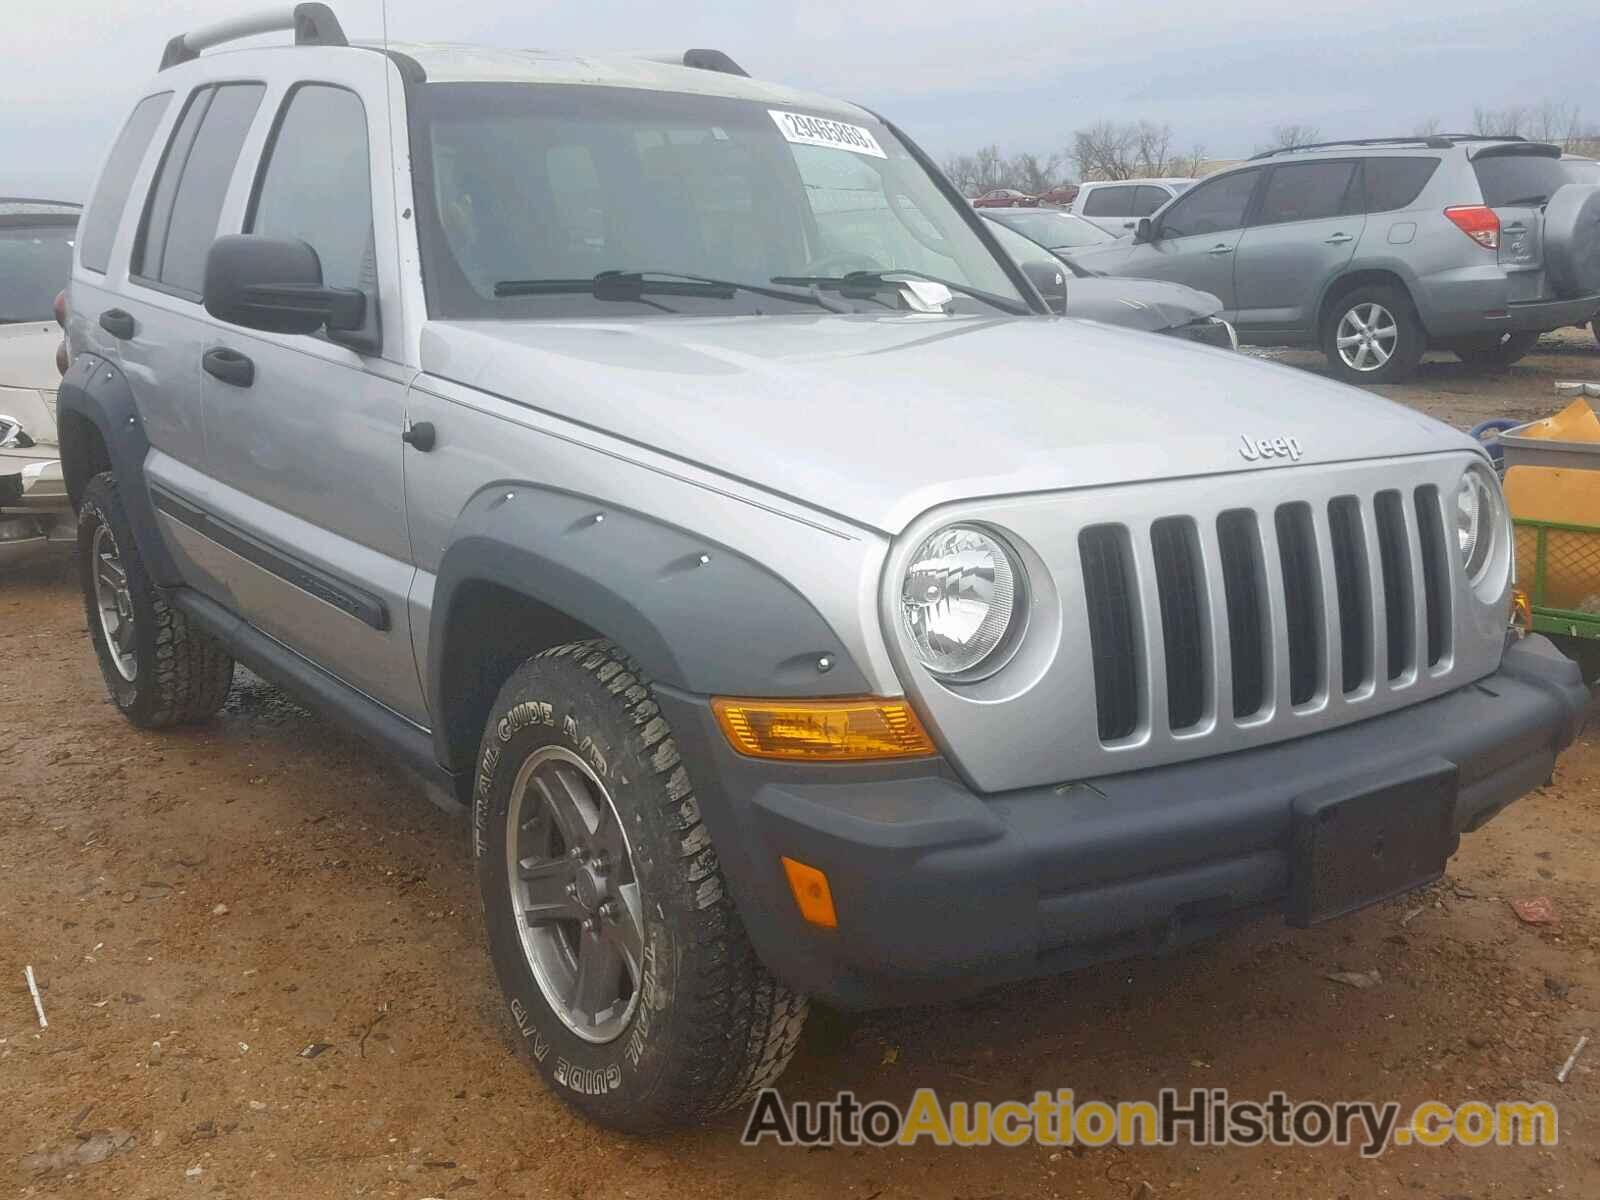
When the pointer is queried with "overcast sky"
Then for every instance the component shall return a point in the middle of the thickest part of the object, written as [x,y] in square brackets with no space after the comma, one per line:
[956,74]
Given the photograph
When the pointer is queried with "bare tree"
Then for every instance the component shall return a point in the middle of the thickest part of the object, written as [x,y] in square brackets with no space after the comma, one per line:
[1035,175]
[1189,165]
[1299,134]
[1500,122]
[1426,127]
[1152,148]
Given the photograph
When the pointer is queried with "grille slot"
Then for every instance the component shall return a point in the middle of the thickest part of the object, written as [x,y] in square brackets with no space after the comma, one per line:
[1176,551]
[1435,572]
[1110,590]
[1354,590]
[1302,599]
[1244,591]
[1394,556]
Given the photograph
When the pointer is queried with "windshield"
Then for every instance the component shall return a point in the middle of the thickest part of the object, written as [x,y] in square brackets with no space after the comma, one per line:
[1056,230]
[527,184]
[35,261]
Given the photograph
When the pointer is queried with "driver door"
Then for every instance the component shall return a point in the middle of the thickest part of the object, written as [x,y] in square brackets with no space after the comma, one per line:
[1195,239]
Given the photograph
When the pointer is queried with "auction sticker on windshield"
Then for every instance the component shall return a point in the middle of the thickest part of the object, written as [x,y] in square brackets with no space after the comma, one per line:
[819,131]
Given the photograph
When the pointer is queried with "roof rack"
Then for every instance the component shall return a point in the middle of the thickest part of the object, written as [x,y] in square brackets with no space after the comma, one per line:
[313,25]
[703,60]
[1433,141]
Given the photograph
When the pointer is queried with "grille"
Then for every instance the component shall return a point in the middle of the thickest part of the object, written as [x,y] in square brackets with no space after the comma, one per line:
[1332,599]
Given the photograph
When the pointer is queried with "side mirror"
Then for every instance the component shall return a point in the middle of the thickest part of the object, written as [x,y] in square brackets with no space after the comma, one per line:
[1144,231]
[276,285]
[1051,280]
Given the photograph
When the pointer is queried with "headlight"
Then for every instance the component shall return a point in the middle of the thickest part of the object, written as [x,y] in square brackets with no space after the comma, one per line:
[961,600]
[1479,521]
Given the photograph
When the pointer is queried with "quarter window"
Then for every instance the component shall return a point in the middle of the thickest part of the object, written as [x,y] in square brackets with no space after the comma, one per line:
[1307,191]
[1108,202]
[116,180]
[316,184]
[1215,206]
[180,221]
[1396,182]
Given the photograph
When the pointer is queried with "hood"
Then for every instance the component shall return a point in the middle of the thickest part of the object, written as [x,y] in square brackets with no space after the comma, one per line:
[1149,304]
[28,355]
[878,419]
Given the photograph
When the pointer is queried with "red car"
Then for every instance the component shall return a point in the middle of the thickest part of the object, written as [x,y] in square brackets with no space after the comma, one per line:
[1061,197]
[1006,198]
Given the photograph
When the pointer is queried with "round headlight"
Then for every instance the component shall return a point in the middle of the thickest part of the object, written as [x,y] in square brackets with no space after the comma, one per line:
[1478,521]
[960,599]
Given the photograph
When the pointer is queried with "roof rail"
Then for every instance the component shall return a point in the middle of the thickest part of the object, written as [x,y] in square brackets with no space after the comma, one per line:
[313,25]
[1433,141]
[703,60]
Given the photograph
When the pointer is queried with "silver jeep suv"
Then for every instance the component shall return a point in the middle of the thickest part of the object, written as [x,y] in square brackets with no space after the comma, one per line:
[1377,250]
[671,469]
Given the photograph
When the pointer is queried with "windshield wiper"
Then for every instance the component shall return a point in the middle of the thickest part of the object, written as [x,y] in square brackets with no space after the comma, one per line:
[864,284]
[635,285]
[1526,201]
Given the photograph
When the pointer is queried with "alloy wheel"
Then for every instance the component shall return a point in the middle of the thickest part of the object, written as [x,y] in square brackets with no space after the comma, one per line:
[575,892]
[115,602]
[1367,337]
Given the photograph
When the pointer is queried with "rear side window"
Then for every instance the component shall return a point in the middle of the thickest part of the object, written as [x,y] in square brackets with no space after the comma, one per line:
[111,194]
[317,183]
[180,220]
[1146,200]
[1307,191]
[1108,202]
[1396,182]
[1517,180]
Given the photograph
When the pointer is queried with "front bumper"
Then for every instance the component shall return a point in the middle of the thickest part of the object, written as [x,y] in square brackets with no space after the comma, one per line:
[941,891]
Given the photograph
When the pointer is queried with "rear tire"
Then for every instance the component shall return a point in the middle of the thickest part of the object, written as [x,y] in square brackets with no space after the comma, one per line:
[1496,350]
[159,668]
[627,971]
[1372,335]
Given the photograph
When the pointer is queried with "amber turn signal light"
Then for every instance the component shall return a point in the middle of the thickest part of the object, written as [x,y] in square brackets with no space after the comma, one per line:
[811,893]
[822,730]
[1521,610]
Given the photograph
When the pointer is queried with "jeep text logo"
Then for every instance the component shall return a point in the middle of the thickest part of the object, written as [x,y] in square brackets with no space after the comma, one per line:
[1254,449]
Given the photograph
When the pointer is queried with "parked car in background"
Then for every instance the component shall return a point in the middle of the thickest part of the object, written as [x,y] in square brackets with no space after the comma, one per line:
[1116,206]
[1378,249]
[1006,198]
[1051,229]
[1059,197]
[36,239]
[1151,305]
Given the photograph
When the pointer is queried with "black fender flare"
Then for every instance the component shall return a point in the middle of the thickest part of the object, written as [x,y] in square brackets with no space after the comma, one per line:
[96,392]
[697,615]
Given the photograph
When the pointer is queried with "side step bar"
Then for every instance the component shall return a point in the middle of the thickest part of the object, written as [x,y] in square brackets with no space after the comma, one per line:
[332,697]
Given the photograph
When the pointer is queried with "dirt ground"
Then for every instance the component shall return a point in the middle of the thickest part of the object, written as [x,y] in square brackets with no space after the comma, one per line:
[202,907]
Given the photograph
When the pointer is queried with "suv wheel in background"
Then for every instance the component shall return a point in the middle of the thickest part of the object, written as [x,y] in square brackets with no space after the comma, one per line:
[159,669]
[1495,350]
[627,970]
[1371,335]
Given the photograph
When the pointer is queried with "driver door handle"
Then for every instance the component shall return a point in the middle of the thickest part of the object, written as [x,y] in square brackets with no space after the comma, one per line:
[230,366]
[1220,248]
[1338,239]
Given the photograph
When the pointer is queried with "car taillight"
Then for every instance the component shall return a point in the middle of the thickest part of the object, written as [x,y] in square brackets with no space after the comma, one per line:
[60,308]
[1478,222]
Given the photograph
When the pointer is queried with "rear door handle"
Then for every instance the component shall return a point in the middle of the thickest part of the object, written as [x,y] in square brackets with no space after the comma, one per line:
[1220,250]
[117,323]
[229,366]
[1339,239]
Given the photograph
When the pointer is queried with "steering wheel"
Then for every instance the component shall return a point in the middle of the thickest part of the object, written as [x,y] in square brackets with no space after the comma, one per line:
[842,263]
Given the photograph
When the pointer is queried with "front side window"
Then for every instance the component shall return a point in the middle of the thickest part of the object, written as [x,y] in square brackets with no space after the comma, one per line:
[116,180]
[1307,191]
[35,262]
[1109,202]
[180,221]
[316,185]
[527,191]
[1214,206]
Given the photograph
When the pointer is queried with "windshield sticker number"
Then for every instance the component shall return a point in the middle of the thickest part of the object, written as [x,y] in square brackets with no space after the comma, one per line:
[818,131]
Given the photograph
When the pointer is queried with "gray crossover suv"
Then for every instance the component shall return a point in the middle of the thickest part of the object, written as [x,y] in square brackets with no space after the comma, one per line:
[1377,250]
[672,470]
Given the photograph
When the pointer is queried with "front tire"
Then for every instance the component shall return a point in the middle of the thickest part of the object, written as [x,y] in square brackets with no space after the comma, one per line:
[160,669]
[628,973]
[1372,335]
[1496,351]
